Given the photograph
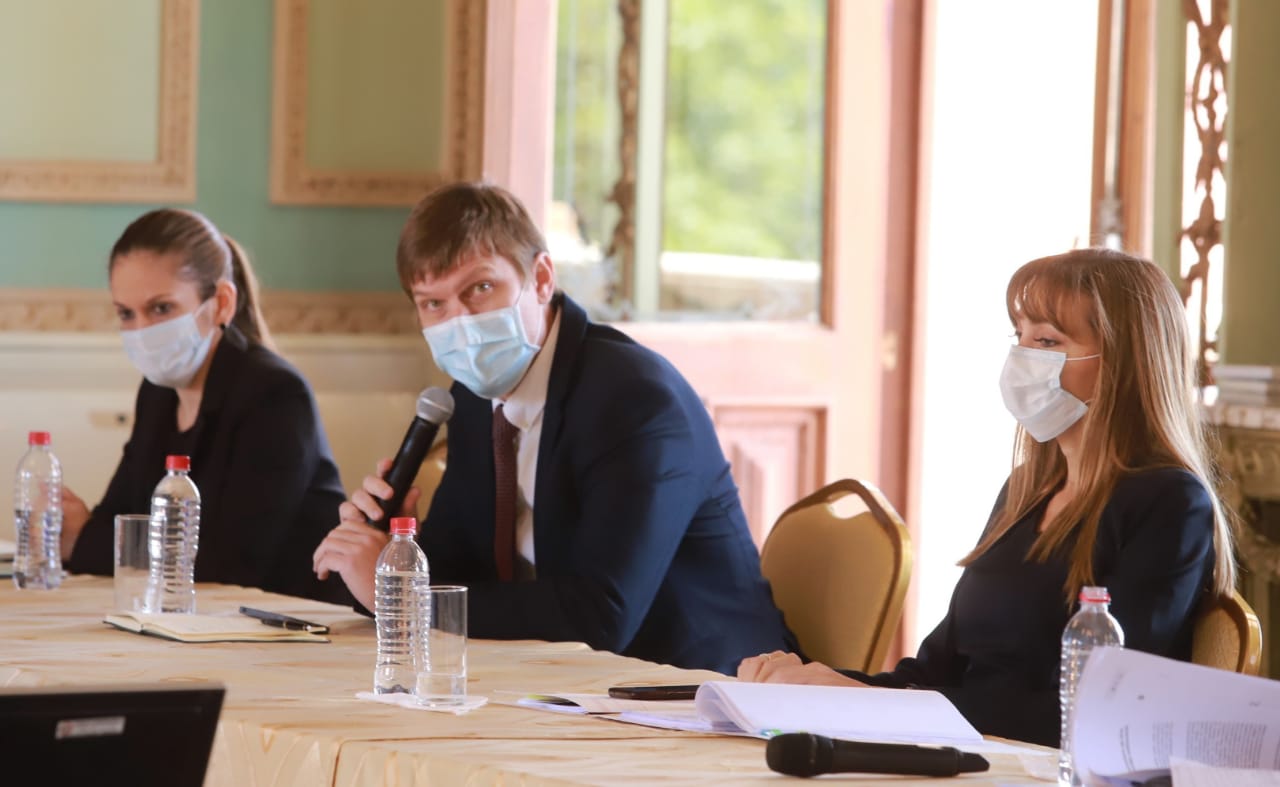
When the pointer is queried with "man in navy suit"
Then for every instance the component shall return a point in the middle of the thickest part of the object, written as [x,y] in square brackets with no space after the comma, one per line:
[585,495]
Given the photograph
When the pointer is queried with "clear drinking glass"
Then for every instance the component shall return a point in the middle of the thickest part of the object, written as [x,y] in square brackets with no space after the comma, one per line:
[132,562]
[443,681]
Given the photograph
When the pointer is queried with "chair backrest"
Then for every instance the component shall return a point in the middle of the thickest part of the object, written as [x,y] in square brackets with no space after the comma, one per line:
[840,581]
[1227,635]
[431,472]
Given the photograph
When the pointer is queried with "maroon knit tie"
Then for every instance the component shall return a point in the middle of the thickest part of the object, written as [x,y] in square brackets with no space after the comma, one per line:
[504,467]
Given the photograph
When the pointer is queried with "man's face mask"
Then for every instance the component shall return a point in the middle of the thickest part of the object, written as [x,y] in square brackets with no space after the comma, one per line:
[488,353]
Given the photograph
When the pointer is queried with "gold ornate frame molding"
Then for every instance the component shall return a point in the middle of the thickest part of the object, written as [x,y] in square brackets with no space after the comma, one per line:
[293,181]
[286,312]
[172,176]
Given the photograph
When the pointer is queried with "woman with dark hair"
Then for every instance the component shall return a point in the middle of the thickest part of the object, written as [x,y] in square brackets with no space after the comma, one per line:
[1111,485]
[214,390]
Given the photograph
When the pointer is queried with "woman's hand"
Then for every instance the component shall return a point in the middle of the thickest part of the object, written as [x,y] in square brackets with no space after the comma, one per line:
[75,515]
[780,667]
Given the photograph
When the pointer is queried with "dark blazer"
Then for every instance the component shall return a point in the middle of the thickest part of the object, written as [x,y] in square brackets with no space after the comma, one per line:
[269,488]
[995,655]
[640,541]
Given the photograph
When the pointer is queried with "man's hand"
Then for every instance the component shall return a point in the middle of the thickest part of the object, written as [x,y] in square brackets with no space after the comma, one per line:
[352,548]
[367,501]
[779,667]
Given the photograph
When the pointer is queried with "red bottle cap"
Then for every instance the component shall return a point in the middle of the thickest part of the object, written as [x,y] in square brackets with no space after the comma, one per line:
[403,526]
[176,462]
[1094,595]
[38,438]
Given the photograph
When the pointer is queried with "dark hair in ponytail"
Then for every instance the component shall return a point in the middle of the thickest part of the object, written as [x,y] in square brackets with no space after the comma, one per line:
[248,316]
[208,257]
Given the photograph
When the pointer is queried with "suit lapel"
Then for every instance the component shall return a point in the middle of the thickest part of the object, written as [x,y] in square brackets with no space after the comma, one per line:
[573,331]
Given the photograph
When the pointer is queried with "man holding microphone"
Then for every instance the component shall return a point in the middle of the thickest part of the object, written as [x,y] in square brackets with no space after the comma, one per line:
[585,495]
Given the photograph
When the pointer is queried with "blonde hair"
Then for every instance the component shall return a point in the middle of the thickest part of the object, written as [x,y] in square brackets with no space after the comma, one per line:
[1143,413]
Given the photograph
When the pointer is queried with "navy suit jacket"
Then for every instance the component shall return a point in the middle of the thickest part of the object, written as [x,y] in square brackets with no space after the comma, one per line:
[640,541]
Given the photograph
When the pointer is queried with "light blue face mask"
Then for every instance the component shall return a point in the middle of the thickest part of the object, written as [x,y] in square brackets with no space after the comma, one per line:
[489,352]
[169,353]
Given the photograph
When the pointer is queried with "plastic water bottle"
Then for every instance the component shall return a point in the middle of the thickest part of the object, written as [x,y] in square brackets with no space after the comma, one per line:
[173,538]
[1091,627]
[37,516]
[402,610]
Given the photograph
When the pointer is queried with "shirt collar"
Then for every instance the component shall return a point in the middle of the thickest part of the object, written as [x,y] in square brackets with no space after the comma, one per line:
[523,406]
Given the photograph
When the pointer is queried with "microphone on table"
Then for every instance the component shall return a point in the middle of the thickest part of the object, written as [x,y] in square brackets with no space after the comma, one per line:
[806,754]
[434,407]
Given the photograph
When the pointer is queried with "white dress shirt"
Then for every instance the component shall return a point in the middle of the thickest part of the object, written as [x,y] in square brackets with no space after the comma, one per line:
[523,408]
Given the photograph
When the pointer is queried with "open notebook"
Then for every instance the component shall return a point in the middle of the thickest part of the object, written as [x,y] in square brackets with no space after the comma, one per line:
[207,628]
[869,714]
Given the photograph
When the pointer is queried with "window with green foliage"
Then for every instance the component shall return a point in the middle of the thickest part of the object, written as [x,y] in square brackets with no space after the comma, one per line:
[718,212]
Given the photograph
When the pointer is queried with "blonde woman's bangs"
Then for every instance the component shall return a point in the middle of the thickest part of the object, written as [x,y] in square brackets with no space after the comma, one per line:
[1048,291]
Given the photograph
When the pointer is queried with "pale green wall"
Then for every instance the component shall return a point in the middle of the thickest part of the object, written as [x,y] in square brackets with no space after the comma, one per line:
[302,248]
[1170,115]
[1251,317]
[94,99]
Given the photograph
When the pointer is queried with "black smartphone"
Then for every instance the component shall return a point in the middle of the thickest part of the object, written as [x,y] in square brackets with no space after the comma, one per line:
[653,692]
[284,621]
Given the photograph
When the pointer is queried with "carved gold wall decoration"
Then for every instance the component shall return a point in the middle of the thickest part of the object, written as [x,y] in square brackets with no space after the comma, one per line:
[295,181]
[170,177]
[1207,108]
[286,312]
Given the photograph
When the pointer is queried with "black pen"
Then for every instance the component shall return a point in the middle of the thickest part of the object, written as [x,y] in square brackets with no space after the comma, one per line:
[284,621]
[806,754]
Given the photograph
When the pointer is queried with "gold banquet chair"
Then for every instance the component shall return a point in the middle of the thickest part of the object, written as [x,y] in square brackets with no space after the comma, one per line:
[430,473]
[840,581]
[1227,635]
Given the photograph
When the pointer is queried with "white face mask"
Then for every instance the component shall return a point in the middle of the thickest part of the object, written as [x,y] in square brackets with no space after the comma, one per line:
[1031,385]
[169,353]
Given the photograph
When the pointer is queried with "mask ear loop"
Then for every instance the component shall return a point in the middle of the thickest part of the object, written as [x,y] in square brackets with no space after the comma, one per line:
[1088,401]
[211,299]
[543,329]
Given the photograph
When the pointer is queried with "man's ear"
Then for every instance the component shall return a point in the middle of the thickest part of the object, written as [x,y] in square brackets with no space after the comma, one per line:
[544,277]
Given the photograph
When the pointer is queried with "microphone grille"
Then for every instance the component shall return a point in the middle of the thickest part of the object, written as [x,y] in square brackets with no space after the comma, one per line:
[793,753]
[435,405]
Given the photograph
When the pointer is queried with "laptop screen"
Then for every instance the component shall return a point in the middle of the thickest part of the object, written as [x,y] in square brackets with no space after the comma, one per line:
[137,734]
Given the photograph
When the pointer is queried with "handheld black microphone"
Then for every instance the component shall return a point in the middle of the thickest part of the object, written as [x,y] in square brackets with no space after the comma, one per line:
[806,754]
[435,405]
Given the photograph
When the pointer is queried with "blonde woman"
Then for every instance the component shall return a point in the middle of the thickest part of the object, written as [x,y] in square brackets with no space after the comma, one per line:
[1111,486]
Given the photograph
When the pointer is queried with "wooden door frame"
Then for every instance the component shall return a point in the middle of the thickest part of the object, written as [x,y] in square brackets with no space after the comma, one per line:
[862,352]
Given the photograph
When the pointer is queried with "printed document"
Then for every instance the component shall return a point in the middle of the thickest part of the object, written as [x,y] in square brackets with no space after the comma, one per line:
[1136,712]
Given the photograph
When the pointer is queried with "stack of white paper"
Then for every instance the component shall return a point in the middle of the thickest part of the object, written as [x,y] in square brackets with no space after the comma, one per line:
[1136,712]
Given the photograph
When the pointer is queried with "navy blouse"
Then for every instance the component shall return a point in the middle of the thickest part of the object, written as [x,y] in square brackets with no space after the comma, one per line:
[995,654]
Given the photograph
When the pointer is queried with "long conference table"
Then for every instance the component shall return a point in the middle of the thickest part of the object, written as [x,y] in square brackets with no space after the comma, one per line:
[291,716]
